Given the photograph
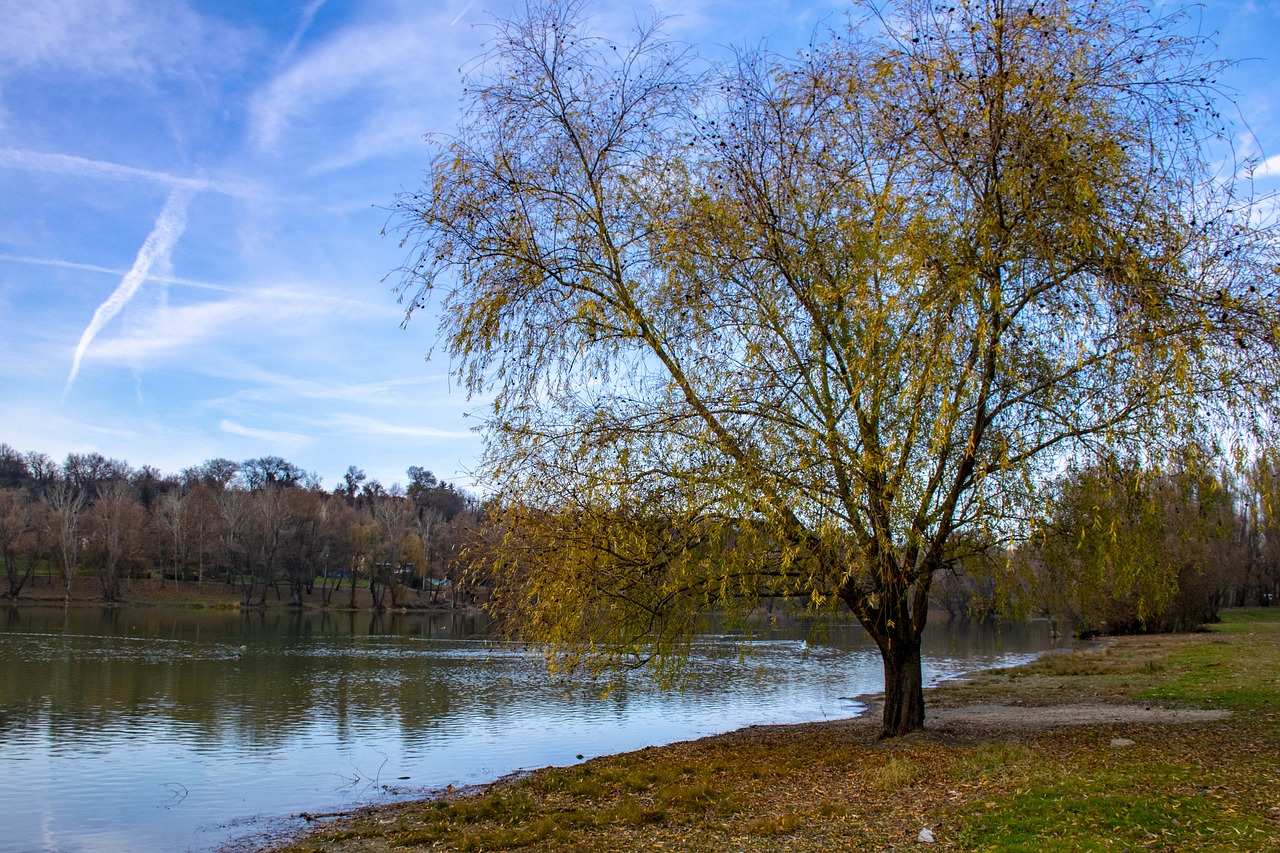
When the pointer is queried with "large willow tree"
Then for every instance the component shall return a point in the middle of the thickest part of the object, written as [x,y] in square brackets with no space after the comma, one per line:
[814,326]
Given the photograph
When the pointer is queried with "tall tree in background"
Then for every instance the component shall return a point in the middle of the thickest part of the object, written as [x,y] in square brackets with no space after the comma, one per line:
[114,528]
[1127,548]
[17,515]
[14,472]
[799,326]
[66,500]
[1259,583]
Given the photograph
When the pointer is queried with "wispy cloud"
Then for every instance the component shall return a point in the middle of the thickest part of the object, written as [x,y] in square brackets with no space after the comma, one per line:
[209,335]
[378,136]
[304,23]
[368,72]
[268,298]
[136,40]
[278,437]
[159,243]
[275,386]
[67,164]
[373,426]
[465,10]
[105,37]
[178,329]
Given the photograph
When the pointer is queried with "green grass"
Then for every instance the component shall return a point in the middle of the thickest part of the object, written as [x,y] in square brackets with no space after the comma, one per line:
[994,759]
[1253,620]
[1119,810]
[1237,669]
[1211,786]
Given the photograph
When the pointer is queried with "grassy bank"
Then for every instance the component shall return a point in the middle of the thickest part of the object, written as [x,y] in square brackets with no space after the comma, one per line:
[1113,748]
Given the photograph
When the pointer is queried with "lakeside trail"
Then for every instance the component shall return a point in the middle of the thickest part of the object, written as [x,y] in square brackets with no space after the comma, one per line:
[1167,743]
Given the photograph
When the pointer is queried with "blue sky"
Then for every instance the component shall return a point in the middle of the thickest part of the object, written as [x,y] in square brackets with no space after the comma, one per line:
[192,196]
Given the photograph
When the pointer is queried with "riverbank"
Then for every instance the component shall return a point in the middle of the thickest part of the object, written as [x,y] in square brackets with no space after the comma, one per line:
[150,592]
[1141,743]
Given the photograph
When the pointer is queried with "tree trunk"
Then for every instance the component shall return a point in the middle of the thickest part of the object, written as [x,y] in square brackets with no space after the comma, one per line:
[249,588]
[17,578]
[896,622]
[110,580]
[903,685]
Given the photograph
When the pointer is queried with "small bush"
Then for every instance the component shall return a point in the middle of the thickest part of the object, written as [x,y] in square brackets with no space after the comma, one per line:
[894,774]
[780,825]
[631,812]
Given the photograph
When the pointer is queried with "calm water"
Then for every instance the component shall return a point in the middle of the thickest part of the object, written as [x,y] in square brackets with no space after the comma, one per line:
[151,730]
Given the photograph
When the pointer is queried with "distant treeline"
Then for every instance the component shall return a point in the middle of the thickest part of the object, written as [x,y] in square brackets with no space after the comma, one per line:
[1123,548]
[263,525]
[1119,547]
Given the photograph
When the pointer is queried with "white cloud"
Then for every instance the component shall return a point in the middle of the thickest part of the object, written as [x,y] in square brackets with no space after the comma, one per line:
[1268,168]
[373,426]
[84,167]
[378,136]
[387,68]
[105,38]
[460,15]
[212,329]
[304,23]
[173,330]
[274,386]
[75,265]
[278,437]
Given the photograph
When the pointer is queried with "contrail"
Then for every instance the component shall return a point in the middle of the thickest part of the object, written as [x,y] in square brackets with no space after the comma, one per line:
[68,164]
[465,10]
[76,265]
[308,15]
[158,245]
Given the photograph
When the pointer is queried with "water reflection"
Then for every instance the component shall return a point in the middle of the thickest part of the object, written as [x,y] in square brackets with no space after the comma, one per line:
[155,729]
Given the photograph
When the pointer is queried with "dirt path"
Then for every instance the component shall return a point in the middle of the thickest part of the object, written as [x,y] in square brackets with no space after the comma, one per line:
[1028,717]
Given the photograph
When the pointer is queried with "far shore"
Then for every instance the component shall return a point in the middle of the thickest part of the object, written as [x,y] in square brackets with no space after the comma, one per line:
[43,591]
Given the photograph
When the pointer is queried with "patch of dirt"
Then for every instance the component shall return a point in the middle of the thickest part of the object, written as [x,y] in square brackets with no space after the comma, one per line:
[1030,717]
[1033,715]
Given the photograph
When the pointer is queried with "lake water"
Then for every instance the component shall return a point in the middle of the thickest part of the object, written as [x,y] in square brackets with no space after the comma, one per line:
[172,729]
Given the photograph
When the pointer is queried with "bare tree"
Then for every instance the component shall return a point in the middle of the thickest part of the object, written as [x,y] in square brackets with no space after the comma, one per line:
[16,519]
[114,529]
[169,513]
[66,500]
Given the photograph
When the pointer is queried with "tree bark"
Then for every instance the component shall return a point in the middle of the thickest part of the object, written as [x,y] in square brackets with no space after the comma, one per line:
[896,622]
[903,684]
